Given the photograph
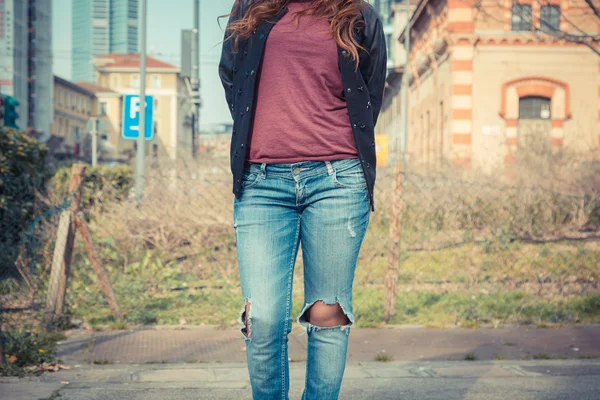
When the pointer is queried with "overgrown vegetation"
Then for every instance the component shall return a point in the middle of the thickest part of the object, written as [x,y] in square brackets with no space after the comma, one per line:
[25,348]
[22,177]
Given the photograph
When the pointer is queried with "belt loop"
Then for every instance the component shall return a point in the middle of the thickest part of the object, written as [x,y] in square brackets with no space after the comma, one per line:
[263,170]
[329,167]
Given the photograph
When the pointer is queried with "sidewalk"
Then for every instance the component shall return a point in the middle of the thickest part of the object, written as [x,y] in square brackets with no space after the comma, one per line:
[435,380]
[156,363]
[210,344]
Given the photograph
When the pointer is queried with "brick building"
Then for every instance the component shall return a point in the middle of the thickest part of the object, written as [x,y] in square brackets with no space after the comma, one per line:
[487,74]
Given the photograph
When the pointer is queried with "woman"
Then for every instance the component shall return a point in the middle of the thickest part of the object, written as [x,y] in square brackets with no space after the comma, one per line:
[304,81]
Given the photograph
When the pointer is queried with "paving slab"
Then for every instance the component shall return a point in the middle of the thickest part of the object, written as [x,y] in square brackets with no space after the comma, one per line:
[481,380]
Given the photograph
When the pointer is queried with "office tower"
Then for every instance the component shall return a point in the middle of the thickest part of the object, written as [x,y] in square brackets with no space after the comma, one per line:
[26,61]
[102,27]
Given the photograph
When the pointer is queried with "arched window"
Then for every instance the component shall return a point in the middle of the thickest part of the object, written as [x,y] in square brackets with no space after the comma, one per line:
[534,107]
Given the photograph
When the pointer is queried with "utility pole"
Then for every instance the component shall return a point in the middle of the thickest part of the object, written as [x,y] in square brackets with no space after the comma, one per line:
[196,77]
[406,82]
[141,141]
[94,132]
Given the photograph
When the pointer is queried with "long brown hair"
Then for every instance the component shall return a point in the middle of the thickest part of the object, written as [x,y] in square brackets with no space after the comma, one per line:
[344,17]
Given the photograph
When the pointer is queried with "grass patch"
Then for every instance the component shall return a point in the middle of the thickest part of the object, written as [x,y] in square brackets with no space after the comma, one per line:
[542,356]
[471,357]
[499,357]
[462,286]
[102,361]
[382,357]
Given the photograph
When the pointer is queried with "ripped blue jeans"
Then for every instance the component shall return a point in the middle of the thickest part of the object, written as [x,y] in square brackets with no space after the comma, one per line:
[324,206]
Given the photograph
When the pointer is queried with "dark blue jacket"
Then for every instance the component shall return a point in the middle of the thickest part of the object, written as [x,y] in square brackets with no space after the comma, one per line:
[363,87]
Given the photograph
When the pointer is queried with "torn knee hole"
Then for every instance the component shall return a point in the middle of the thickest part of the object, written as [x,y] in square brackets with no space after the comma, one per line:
[245,318]
[322,314]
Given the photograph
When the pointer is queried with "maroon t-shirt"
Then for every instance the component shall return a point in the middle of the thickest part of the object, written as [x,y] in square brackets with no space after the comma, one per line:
[301,113]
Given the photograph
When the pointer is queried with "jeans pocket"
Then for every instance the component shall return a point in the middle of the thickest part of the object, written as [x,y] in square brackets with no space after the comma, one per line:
[350,175]
[250,177]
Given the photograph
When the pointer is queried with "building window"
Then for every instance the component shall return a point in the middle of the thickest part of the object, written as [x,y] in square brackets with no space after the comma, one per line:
[550,18]
[155,83]
[534,107]
[135,81]
[521,17]
[103,108]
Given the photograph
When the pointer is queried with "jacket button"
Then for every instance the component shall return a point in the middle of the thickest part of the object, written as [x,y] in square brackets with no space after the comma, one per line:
[368,104]
[242,145]
[252,72]
[349,90]
[233,132]
[373,144]
[247,73]
[240,91]
[361,88]
[254,31]
[262,35]
[354,125]
[247,108]
[344,52]
[362,126]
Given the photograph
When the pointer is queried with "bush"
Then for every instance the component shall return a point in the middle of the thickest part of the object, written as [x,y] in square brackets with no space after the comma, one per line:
[24,348]
[101,185]
[22,175]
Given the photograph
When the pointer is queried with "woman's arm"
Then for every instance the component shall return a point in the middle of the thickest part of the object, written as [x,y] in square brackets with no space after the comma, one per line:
[374,73]
[228,57]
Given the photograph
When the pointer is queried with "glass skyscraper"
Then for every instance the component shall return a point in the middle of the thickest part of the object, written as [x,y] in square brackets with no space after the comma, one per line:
[101,27]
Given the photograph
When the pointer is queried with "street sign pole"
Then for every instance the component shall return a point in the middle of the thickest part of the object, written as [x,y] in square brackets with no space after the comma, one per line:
[196,77]
[94,141]
[406,84]
[141,145]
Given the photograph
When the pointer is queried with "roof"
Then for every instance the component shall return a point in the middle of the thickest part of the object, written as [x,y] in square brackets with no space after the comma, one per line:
[94,88]
[73,86]
[115,60]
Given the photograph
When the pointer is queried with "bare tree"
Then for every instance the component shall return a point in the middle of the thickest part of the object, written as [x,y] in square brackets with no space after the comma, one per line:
[571,31]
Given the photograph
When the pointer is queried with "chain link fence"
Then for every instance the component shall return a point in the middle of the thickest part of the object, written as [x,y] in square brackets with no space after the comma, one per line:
[451,249]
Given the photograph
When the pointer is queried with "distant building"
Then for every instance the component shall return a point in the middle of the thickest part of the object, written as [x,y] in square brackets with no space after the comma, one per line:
[386,10]
[26,61]
[109,109]
[73,107]
[390,127]
[484,81]
[101,27]
[172,101]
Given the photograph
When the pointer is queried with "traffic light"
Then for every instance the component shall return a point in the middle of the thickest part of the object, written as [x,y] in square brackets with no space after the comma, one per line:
[1,110]
[10,112]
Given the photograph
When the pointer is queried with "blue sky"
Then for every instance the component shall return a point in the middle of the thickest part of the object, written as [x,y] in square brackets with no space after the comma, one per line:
[166,19]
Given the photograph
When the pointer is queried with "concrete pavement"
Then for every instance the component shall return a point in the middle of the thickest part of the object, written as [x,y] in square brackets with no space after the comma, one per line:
[448,380]
[152,363]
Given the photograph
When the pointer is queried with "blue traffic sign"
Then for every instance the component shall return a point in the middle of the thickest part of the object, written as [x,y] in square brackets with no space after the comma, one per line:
[131,117]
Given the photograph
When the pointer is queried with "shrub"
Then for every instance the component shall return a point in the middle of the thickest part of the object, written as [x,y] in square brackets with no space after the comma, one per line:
[101,185]
[22,175]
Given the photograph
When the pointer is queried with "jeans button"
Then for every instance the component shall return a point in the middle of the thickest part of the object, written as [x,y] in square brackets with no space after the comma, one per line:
[296,171]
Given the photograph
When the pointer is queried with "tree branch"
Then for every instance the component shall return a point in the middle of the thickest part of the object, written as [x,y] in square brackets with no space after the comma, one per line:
[593,7]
